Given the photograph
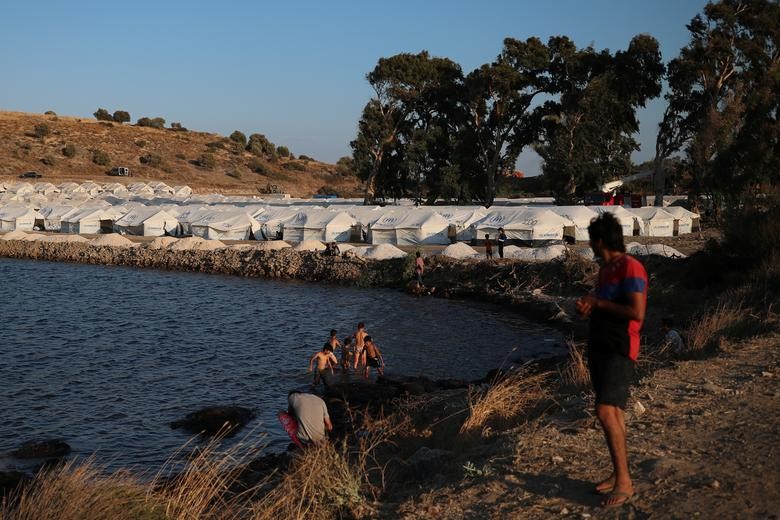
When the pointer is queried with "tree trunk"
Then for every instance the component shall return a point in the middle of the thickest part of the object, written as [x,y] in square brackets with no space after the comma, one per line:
[659,180]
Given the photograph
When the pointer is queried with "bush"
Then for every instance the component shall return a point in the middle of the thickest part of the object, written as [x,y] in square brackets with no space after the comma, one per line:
[207,160]
[120,116]
[42,130]
[181,156]
[233,173]
[238,137]
[157,122]
[345,167]
[140,143]
[50,113]
[327,190]
[282,151]
[151,159]
[177,127]
[259,166]
[217,144]
[259,145]
[69,150]
[48,160]
[100,158]
[101,114]
[305,158]
[294,166]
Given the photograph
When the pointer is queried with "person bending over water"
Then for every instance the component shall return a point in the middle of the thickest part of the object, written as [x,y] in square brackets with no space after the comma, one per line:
[373,358]
[325,360]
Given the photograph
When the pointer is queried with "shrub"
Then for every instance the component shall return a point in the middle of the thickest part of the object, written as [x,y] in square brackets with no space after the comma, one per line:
[181,156]
[305,158]
[48,160]
[294,166]
[238,137]
[69,150]
[151,159]
[50,113]
[258,166]
[207,160]
[217,144]
[100,158]
[233,173]
[177,127]
[574,372]
[120,116]
[327,190]
[345,167]
[157,122]
[42,130]
[101,114]
[282,151]
[259,145]
[140,143]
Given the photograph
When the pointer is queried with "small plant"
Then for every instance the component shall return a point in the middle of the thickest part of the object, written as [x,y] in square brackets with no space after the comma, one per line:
[345,167]
[69,150]
[214,145]
[50,113]
[294,166]
[575,372]
[48,160]
[42,131]
[140,143]
[328,190]
[470,470]
[282,151]
[101,114]
[177,127]
[157,122]
[120,116]
[259,166]
[238,137]
[305,158]
[181,156]
[152,160]
[207,160]
[235,174]
[100,158]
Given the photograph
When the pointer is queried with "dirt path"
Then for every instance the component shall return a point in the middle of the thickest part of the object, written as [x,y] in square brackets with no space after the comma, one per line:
[704,447]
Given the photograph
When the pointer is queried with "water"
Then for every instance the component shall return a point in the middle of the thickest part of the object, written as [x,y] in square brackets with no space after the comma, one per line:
[105,357]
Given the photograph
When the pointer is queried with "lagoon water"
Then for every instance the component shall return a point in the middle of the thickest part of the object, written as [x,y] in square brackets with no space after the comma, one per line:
[106,357]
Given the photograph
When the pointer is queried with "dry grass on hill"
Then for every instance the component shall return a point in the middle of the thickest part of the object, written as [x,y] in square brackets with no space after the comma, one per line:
[174,154]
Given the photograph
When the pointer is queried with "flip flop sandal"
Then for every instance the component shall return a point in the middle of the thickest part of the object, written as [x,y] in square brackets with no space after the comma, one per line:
[616,494]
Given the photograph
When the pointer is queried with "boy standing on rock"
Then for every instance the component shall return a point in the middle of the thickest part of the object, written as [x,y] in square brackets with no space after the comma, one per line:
[616,311]
[373,358]
[325,360]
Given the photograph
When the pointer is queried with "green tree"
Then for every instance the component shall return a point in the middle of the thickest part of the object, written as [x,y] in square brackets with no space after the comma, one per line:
[42,131]
[100,158]
[101,114]
[121,116]
[260,146]
[69,150]
[282,151]
[588,134]
[157,122]
[238,137]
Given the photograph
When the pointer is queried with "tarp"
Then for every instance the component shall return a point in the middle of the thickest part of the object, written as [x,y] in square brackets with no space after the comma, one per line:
[411,227]
[319,224]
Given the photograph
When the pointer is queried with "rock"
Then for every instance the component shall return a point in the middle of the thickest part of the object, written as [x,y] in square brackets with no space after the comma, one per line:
[11,480]
[512,479]
[451,384]
[715,484]
[413,388]
[638,408]
[767,374]
[44,449]
[425,460]
[211,420]
[363,393]
[557,459]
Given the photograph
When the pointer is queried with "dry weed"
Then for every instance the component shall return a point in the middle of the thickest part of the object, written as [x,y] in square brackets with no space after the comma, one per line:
[575,371]
[708,326]
[504,400]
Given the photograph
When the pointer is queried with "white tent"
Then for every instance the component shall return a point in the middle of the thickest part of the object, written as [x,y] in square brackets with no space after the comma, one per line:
[525,224]
[91,188]
[412,227]
[67,187]
[684,221]
[226,225]
[462,217]
[655,222]
[147,221]
[627,219]
[21,188]
[82,220]
[52,215]
[580,216]
[182,191]
[192,213]
[272,221]
[319,224]
[46,188]
[17,217]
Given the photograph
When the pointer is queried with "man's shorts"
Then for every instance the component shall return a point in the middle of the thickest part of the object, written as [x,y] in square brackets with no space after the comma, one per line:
[612,375]
[372,362]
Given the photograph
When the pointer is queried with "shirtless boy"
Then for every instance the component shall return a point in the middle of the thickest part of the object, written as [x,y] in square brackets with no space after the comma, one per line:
[325,360]
[360,337]
[373,357]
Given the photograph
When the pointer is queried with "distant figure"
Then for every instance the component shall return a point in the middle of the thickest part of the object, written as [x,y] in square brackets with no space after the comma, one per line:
[334,249]
[672,338]
[327,251]
[346,354]
[501,242]
[373,358]
[333,341]
[616,311]
[419,267]
[488,247]
[325,360]
[360,336]
[312,415]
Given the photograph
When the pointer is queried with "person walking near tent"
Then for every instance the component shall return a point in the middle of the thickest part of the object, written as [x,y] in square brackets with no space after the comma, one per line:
[616,311]
[325,360]
[373,358]
[488,248]
[360,336]
[501,242]
[419,267]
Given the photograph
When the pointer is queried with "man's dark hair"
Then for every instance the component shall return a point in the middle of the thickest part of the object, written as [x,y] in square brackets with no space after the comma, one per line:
[361,325]
[418,254]
[367,339]
[332,333]
[327,348]
[606,228]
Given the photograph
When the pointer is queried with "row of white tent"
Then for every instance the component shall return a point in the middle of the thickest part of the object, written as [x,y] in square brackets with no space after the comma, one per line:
[400,225]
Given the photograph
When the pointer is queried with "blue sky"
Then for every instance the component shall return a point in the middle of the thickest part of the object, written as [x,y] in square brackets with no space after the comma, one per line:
[292,70]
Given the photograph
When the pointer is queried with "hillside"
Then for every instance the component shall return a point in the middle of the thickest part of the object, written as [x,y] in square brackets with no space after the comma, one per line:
[172,156]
